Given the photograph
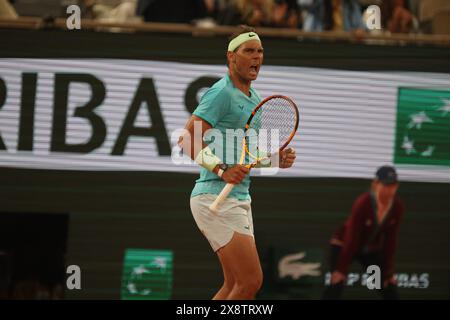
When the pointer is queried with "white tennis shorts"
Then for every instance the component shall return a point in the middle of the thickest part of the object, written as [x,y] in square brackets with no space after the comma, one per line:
[233,216]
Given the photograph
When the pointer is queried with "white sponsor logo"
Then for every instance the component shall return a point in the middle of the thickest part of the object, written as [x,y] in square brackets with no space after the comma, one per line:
[106,114]
[291,266]
[403,280]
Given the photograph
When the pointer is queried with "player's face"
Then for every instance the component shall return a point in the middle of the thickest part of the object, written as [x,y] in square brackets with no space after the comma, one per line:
[247,60]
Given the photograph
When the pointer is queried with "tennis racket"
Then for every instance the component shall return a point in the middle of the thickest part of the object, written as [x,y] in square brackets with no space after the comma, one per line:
[269,129]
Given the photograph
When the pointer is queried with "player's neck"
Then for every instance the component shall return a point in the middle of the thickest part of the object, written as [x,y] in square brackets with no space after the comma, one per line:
[240,83]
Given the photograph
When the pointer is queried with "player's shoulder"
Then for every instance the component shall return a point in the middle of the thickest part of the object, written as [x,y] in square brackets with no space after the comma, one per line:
[219,90]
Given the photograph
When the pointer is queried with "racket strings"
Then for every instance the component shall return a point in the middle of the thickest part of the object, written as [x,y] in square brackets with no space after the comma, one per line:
[271,127]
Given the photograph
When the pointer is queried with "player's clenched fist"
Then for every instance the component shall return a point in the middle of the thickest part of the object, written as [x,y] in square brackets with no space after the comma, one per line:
[235,174]
[287,158]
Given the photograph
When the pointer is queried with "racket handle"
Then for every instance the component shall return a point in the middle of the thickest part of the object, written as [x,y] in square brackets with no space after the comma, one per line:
[221,197]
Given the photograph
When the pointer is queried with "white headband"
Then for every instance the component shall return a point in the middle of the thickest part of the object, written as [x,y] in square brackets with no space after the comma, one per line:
[240,39]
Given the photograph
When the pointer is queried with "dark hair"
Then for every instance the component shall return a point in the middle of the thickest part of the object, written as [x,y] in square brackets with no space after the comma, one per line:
[242,29]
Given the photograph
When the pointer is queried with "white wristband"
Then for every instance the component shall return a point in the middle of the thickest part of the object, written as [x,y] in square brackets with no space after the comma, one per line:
[207,159]
[220,173]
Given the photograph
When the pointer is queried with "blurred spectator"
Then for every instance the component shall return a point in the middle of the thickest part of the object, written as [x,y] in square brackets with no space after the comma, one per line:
[7,10]
[336,15]
[366,3]
[286,14]
[434,16]
[112,10]
[254,13]
[414,6]
[43,8]
[182,11]
[396,16]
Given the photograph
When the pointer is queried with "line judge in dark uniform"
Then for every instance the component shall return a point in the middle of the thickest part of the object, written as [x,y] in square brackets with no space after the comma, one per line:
[369,235]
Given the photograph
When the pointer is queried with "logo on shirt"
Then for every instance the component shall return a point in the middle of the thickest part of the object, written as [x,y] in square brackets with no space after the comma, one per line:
[241,107]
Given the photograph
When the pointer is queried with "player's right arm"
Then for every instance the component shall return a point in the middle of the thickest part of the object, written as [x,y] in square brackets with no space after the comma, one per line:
[192,144]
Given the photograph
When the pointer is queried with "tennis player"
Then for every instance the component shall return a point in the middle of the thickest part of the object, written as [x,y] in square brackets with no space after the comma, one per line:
[369,235]
[228,105]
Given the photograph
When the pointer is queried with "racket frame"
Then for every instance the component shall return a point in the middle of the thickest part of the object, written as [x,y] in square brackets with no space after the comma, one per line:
[214,207]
